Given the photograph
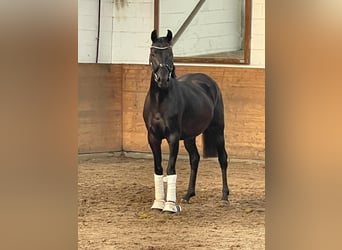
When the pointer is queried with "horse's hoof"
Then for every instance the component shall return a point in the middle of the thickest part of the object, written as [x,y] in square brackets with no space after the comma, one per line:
[171,207]
[184,201]
[158,205]
[224,203]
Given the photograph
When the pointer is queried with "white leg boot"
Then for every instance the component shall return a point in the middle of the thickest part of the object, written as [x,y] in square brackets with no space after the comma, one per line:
[170,204]
[159,194]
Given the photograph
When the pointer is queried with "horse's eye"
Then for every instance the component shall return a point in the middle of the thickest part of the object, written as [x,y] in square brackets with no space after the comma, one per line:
[155,67]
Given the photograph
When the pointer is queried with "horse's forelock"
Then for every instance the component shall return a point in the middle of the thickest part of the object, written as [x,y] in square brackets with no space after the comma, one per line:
[161,42]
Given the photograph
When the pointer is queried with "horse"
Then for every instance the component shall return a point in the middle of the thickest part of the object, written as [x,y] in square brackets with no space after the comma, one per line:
[181,109]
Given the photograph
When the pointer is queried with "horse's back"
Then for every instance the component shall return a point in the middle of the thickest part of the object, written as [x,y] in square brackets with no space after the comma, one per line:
[199,83]
[197,78]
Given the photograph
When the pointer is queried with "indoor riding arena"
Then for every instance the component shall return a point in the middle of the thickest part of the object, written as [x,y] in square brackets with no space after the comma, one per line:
[222,39]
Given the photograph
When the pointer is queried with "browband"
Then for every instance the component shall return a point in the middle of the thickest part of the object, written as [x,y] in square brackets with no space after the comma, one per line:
[156,47]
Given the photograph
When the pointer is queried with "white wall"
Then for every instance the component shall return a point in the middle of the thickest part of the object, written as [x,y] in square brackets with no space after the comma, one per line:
[216,28]
[132,26]
[87,31]
[126,30]
[258,33]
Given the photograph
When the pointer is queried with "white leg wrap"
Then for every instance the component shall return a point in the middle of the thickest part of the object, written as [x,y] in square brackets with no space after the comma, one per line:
[171,188]
[170,204]
[159,187]
[159,194]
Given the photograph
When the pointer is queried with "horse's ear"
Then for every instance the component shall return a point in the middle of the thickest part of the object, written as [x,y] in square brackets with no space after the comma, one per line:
[154,36]
[169,35]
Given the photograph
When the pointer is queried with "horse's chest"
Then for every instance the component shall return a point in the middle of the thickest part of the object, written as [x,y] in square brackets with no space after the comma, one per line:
[159,124]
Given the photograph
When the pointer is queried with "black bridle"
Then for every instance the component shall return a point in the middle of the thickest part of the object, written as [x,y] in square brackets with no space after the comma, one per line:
[169,68]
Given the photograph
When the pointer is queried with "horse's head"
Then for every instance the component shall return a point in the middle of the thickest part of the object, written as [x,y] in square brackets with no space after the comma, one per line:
[161,59]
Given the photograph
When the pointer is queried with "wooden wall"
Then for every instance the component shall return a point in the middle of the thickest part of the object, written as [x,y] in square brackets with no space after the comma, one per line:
[243,91]
[99,108]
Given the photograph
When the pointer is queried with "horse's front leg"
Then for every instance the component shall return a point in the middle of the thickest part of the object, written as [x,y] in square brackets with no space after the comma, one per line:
[155,144]
[170,205]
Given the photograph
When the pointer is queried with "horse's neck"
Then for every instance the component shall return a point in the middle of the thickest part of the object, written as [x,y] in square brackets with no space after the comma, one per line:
[156,94]
[174,72]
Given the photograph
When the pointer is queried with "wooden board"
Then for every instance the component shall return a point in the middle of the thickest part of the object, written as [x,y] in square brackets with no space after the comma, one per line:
[243,92]
[100,108]
[111,99]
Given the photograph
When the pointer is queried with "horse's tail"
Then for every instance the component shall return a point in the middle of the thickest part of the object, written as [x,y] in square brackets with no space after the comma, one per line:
[209,138]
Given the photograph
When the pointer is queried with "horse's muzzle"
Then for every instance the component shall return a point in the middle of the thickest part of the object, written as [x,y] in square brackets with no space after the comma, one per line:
[163,84]
[162,78]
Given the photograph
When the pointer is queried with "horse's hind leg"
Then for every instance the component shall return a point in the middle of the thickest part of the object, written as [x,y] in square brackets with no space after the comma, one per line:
[190,146]
[222,157]
[217,130]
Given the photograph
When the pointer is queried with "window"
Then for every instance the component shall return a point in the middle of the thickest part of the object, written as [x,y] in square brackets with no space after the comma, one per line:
[206,31]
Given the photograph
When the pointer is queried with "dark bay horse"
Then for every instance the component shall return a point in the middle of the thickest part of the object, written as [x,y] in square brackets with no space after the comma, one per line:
[180,109]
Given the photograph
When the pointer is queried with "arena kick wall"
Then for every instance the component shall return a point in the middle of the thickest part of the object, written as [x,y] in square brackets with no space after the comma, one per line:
[111,99]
